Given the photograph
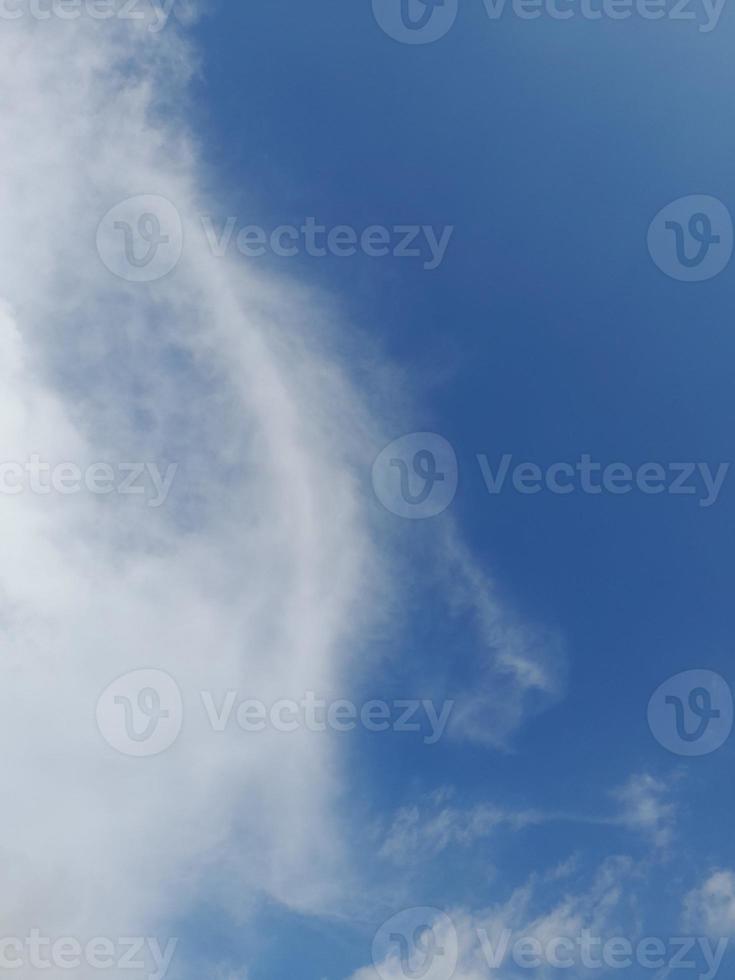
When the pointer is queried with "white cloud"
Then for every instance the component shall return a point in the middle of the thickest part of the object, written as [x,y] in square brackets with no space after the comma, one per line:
[645,808]
[423,830]
[519,668]
[711,908]
[485,939]
[428,825]
[261,573]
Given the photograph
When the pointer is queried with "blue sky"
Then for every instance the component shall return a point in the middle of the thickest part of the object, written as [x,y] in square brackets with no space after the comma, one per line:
[547,332]
[555,800]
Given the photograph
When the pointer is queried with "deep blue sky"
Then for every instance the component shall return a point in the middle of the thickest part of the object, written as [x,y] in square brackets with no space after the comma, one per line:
[547,332]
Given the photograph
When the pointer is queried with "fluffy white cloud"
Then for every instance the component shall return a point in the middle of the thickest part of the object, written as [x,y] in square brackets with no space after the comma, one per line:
[261,573]
[258,574]
[711,908]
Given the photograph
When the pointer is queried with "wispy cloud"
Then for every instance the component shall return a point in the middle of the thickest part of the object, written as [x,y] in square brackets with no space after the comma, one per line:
[259,573]
[422,829]
[711,907]
[646,807]
[519,668]
[480,941]
[263,571]
[416,835]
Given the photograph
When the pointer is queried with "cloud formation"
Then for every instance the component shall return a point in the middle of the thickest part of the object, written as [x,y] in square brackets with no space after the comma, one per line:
[259,573]
[263,571]
[711,907]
